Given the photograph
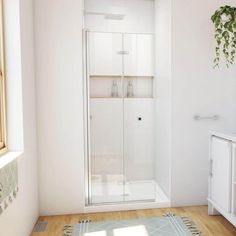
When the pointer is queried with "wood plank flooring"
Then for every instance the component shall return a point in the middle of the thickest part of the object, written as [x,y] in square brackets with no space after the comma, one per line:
[209,225]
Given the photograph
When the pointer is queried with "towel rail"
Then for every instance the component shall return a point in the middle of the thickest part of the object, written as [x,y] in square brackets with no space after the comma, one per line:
[198,117]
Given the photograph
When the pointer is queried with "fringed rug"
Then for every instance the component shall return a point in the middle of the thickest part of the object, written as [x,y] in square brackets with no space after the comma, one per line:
[168,225]
[8,185]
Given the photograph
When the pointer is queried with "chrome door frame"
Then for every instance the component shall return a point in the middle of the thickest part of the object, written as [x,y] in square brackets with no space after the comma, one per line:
[86,95]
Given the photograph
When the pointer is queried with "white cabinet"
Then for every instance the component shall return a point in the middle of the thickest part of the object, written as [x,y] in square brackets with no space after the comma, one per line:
[222,191]
[234,178]
[139,55]
[116,54]
[104,54]
[221,172]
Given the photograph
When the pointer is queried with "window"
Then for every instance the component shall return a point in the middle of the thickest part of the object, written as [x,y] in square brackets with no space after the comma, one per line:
[3,139]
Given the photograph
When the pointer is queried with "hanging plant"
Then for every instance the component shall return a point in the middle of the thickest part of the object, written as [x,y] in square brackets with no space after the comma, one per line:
[224,20]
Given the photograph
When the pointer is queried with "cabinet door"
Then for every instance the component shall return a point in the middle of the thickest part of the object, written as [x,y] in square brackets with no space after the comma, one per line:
[104,54]
[139,55]
[234,178]
[221,173]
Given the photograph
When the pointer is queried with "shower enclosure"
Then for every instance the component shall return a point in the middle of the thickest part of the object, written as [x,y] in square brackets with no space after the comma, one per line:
[120,117]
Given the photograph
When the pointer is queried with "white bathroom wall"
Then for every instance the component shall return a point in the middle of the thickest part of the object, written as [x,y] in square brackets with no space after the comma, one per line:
[188,85]
[21,215]
[58,32]
[196,89]
[163,93]
[139,15]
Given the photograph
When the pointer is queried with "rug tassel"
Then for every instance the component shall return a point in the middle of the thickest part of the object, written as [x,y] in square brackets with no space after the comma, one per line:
[68,230]
[191,226]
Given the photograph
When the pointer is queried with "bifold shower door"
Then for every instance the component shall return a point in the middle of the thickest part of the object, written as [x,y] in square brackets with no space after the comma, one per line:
[120,117]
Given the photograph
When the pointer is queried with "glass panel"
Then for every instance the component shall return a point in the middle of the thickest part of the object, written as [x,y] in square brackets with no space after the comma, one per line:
[139,126]
[139,149]
[121,118]
[106,150]
[106,118]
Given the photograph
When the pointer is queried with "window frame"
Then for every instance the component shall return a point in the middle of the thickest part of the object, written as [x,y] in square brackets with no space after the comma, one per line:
[3,113]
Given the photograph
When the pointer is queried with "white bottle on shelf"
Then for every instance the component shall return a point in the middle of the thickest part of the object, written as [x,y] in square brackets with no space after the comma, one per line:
[130,89]
[114,89]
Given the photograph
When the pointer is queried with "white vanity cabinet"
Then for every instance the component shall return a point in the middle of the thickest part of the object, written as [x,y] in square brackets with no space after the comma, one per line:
[222,175]
[221,172]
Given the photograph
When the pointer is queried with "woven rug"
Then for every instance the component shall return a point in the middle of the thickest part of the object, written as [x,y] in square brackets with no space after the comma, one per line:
[8,185]
[168,225]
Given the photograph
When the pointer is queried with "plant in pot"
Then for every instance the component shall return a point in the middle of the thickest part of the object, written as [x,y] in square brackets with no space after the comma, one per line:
[224,20]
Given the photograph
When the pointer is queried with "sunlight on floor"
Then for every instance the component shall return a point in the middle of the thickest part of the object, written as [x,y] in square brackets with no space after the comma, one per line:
[99,233]
[139,230]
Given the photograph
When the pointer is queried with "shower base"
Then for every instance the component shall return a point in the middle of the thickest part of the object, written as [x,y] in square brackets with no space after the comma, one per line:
[129,196]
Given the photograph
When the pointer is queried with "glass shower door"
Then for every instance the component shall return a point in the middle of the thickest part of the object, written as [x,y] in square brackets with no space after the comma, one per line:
[106,150]
[121,118]
[139,127]
[139,149]
[106,163]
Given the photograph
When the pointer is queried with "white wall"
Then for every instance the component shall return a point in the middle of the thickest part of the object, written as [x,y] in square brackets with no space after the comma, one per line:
[196,89]
[163,93]
[139,15]
[58,31]
[21,215]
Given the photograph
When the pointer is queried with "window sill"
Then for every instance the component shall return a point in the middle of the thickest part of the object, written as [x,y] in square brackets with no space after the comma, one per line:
[9,157]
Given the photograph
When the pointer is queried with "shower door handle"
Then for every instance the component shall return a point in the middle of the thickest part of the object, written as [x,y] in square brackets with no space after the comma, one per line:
[123,52]
[211,168]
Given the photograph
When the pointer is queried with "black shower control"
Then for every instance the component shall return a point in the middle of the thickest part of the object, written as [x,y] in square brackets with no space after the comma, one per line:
[1,190]
[139,118]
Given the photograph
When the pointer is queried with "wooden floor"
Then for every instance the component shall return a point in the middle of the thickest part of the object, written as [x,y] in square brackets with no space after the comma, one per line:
[209,225]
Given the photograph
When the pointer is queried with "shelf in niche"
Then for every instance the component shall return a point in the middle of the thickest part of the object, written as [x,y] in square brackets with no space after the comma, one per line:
[139,77]
[105,77]
[121,98]
[106,97]
[119,77]
[138,97]
[101,86]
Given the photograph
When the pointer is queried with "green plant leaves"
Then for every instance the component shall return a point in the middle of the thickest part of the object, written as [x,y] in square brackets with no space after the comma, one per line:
[224,20]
